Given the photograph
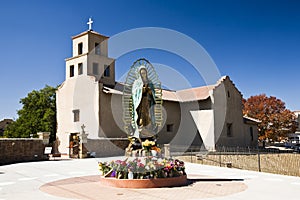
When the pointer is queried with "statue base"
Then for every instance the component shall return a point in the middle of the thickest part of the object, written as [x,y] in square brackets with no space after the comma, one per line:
[142,153]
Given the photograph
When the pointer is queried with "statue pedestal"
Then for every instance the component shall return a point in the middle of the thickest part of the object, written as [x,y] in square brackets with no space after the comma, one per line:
[142,153]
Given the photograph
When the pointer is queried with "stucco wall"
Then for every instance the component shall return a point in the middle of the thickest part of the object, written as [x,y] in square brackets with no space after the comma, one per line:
[77,93]
[102,40]
[111,115]
[101,60]
[107,147]
[227,96]
[88,56]
[82,59]
[205,104]
[187,130]
[84,40]
[15,150]
[248,140]
[171,114]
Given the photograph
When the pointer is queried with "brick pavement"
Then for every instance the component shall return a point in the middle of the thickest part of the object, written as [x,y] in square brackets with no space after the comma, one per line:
[89,187]
[79,179]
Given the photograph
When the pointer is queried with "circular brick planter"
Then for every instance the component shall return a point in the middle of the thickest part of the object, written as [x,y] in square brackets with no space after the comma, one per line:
[144,183]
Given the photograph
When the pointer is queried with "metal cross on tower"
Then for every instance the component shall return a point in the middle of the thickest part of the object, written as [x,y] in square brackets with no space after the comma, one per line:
[90,22]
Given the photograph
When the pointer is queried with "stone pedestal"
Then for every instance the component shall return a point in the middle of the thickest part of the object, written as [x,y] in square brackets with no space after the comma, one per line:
[167,150]
[83,151]
[83,141]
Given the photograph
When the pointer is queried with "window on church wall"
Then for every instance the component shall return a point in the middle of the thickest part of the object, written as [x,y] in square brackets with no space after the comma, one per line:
[76,115]
[97,49]
[80,69]
[170,127]
[106,71]
[71,70]
[80,48]
[95,68]
[229,129]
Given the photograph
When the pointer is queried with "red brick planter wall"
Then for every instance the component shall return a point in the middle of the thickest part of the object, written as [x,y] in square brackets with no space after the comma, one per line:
[144,183]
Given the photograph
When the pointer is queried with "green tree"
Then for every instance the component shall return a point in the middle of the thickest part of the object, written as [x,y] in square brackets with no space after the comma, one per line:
[38,114]
[276,120]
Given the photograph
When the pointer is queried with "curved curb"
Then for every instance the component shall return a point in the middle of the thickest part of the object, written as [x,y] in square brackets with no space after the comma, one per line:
[145,183]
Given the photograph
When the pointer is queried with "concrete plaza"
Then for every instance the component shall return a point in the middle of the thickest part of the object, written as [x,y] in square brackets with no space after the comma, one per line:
[79,179]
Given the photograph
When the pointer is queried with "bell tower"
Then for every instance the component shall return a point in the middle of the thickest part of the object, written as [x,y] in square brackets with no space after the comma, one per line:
[90,57]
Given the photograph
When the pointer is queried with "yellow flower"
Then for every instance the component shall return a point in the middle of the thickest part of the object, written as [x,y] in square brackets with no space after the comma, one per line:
[148,143]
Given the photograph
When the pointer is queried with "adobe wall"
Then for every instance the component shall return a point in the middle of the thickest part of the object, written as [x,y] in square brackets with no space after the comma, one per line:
[13,150]
[105,147]
[228,110]
[77,93]
[111,115]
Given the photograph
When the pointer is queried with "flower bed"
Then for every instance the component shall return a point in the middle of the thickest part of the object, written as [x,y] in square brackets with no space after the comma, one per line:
[142,168]
[143,172]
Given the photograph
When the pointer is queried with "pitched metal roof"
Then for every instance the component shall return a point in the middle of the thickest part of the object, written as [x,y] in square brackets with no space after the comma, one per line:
[251,119]
[185,95]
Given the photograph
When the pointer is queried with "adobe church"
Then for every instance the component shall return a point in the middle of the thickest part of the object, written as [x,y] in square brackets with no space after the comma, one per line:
[90,110]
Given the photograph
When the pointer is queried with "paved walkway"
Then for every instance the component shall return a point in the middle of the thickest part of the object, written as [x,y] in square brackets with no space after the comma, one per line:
[79,179]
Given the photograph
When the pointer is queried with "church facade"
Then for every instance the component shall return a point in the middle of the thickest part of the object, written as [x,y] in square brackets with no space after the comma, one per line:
[90,112]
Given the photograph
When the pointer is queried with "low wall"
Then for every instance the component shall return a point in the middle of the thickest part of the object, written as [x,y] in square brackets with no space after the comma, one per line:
[13,150]
[107,147]
[276,163]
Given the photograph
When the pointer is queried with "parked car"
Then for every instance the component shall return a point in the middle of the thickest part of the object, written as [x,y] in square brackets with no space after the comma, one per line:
[296,148]
[279,147]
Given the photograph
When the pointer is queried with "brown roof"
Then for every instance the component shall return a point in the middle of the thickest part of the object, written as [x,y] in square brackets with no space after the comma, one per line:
[169,95]
[194,94]
[186,95]
[191,94]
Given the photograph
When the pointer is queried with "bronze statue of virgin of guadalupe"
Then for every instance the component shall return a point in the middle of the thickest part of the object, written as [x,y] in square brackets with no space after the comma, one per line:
[142,100]
[143,96]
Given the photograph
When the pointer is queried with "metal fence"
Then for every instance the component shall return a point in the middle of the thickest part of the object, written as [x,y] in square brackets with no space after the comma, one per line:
[275,161]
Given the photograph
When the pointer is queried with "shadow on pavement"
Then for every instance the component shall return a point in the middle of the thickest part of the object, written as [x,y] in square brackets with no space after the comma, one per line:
[191,181]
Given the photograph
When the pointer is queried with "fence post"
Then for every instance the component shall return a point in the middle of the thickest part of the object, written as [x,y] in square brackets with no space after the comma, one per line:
[191,156]
[220,159]
[258,157]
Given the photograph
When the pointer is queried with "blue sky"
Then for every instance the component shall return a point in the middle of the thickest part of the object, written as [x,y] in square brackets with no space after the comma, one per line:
[256,43]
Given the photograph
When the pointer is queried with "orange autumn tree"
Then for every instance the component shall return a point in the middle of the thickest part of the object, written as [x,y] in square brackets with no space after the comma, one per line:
[276,120]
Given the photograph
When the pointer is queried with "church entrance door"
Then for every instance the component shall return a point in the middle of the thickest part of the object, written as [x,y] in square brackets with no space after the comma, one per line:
[74,145]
